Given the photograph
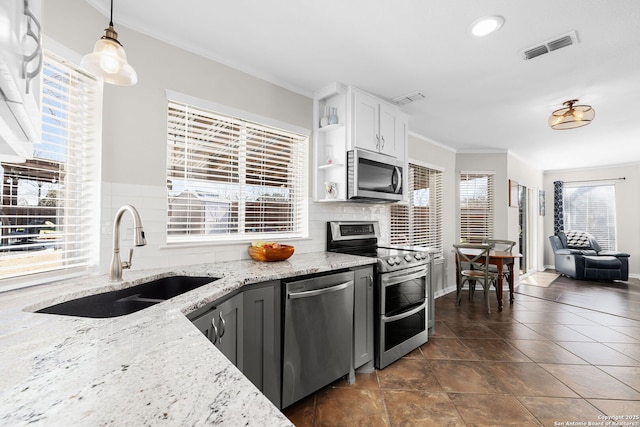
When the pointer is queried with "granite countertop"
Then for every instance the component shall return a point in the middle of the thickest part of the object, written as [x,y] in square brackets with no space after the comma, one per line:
[152,367]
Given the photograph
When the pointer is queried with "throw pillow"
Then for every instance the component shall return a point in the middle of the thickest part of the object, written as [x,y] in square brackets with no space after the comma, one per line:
[577,240]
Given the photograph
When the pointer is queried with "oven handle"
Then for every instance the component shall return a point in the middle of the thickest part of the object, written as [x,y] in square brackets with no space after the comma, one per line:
[405,314]
[403,275]
[316,292]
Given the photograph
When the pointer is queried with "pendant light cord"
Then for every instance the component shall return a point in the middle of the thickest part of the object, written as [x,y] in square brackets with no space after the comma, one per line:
[111,15]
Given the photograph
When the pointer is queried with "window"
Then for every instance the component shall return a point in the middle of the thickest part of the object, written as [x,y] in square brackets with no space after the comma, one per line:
[591,208]
[228,177]
[476,206]
[420,221]
[50,203]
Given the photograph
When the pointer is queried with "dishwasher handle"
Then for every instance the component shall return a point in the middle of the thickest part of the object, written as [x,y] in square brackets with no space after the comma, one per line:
[321,291]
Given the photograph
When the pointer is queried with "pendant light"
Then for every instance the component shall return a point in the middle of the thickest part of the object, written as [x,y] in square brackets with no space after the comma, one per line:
[108,59]
[572,116]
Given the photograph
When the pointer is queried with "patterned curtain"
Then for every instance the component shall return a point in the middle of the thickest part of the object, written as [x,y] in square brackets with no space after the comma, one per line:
[558,209]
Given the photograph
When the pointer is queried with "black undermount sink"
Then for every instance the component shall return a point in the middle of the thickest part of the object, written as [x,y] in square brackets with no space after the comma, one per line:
[129,300]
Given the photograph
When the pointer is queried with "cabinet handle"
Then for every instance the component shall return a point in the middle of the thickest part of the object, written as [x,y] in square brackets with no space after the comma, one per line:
[214,338]
[370,280]
[222,325]
[377,142]
[382,148]
[30,75]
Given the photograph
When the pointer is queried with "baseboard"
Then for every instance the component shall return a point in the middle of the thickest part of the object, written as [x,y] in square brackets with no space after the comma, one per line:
[444,292]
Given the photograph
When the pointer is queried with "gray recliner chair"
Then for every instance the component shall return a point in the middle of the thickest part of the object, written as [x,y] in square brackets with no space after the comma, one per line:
[579,256]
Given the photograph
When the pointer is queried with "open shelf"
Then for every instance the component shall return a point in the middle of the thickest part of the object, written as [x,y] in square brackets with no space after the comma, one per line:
[331,165]
[330,128]
[330,142]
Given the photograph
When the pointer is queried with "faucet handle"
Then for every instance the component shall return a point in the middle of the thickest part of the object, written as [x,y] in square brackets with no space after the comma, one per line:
[127,264]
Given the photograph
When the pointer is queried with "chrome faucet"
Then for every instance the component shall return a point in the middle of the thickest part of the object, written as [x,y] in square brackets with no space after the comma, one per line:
[115,273]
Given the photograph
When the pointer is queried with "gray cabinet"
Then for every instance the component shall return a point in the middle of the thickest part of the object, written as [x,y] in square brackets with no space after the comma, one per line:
[222,323]
[246,328]
[261,336]
[363,317]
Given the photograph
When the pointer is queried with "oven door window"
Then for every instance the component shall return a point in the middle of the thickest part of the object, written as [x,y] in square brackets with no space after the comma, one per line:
[400,330]
[403,296]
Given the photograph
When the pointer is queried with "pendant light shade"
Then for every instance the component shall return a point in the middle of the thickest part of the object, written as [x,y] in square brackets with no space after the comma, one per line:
[572,116]
[108,59]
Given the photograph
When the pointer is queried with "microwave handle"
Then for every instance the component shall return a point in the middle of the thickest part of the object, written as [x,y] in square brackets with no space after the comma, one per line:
[397,172]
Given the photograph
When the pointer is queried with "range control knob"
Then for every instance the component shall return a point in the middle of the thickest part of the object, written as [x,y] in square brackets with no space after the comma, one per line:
[390,261]
[397,260]
[408,258]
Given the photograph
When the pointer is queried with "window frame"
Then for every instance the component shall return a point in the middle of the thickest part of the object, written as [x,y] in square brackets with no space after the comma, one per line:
[474,231]
[298,191]
[410,225]
[607,239]
[77,236]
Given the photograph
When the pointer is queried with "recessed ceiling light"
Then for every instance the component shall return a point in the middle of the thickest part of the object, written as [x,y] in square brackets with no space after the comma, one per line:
[487,25]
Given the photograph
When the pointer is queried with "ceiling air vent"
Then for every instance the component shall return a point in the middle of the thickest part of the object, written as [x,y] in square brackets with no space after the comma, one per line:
[561,42]
[535,51]
[551,45]
[408,98]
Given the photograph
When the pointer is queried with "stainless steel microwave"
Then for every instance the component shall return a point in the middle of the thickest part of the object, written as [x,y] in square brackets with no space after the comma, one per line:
[373,177]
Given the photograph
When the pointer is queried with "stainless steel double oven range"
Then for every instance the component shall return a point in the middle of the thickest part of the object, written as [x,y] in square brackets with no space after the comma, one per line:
[401,292]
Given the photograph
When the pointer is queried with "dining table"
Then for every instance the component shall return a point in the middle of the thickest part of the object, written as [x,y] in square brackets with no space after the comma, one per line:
[500,259]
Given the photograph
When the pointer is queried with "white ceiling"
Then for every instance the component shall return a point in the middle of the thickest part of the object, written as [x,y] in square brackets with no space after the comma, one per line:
[481,95]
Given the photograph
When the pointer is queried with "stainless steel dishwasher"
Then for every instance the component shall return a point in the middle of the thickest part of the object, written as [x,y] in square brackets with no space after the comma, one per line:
[318,333]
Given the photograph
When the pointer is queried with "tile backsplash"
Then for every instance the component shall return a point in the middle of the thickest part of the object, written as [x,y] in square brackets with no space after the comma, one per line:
[150,201]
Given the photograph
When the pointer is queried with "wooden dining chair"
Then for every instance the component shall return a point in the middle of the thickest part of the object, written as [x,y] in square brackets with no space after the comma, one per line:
[473,266]
[500,245]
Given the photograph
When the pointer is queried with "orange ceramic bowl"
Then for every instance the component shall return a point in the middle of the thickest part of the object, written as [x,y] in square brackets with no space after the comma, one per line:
[269,254]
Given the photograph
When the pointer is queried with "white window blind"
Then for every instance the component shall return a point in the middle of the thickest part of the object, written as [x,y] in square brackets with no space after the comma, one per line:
[232,178]
[591,208]
[476,206]
[50,213]
[420,221]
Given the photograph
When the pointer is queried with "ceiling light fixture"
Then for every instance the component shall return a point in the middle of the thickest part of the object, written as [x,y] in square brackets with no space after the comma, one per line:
[572,116]
[487,25]
[108,59]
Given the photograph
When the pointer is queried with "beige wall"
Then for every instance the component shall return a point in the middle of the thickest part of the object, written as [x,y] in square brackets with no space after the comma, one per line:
[526,175]
[433,154]
[507,221]
[481,162]
[134,134]
[134,120]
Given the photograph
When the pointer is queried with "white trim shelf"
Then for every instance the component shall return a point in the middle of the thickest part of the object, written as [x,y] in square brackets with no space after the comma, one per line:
[330,128]
[330,165]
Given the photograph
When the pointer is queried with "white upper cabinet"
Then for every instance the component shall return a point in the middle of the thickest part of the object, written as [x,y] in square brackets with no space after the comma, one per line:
[378,126]
[366,122]
[20,75]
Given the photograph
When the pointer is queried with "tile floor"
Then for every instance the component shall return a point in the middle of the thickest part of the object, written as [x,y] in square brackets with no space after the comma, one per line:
[538,362]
